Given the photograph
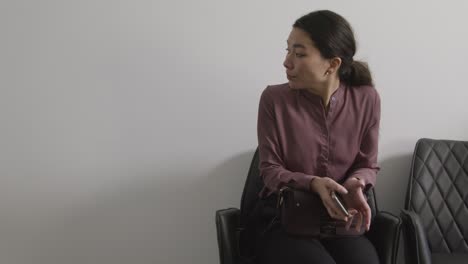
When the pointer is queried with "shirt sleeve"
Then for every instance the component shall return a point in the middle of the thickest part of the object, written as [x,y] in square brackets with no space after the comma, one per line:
[271,165]
[365,165]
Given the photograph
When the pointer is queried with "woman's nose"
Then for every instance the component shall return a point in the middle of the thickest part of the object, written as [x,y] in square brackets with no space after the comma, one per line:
[287,63]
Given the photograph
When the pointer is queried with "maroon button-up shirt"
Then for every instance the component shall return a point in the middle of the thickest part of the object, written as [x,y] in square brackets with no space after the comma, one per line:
[299,140]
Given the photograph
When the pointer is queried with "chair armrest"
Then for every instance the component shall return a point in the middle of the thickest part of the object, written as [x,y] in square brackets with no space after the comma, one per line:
[385,235]
[417,249]
[227,224]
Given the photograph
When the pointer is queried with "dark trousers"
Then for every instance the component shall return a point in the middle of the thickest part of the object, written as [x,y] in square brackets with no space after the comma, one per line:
[277,247]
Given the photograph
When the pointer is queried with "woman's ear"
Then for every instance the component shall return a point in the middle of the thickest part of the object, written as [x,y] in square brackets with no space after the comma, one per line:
[335,64]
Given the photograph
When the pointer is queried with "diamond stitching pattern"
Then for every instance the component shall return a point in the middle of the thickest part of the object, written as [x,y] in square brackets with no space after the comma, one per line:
[439,193]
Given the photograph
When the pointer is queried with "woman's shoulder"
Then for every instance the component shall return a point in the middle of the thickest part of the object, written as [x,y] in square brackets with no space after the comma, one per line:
[365,89]
[278,92]
[367,93]
[277,89]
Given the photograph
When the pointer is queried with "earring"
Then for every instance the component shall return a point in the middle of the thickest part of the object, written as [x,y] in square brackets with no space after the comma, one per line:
[327,72]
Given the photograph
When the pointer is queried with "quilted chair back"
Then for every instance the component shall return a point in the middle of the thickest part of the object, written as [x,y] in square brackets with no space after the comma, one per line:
[438,193]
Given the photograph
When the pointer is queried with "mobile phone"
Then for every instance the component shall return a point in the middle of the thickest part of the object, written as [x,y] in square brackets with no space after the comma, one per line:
[339,202]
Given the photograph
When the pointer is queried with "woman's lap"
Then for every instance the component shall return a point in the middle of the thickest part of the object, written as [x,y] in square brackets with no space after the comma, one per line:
[277,247]
[351,250]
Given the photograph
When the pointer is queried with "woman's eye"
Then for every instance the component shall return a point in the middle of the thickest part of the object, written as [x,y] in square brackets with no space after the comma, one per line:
[299,55]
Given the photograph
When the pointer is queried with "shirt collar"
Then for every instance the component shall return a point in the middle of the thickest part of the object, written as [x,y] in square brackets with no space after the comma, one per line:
[336,96]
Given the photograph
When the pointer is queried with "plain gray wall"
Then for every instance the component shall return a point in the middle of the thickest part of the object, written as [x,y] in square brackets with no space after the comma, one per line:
[126,124]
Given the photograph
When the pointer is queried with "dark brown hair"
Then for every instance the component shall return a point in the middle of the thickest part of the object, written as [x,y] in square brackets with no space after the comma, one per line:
[334,37]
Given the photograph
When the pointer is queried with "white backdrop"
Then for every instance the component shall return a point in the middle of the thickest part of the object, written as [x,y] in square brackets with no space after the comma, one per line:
[126,124]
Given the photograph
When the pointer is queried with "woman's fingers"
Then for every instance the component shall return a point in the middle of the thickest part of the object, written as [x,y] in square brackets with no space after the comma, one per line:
[352,213]
[359,222]
[334,186]
[348,224]
[366,212]
[367,216]
[333,210]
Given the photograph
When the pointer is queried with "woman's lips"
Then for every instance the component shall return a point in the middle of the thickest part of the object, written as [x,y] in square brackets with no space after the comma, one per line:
[290,77]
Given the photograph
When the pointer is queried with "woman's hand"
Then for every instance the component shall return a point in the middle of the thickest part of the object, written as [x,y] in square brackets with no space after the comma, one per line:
[356,201]
[324,187]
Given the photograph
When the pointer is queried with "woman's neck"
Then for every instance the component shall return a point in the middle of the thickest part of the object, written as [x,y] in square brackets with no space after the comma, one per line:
[326,90]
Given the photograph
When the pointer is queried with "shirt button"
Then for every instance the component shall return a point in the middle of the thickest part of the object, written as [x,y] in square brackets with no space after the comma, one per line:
[333,99]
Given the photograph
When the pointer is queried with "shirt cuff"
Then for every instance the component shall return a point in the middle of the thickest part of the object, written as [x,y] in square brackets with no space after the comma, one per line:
[303,181]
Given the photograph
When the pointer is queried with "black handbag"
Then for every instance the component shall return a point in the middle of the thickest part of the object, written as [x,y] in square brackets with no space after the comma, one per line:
[302,213]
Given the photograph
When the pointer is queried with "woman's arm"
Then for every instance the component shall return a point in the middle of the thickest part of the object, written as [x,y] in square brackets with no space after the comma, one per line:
[365,166]
[364,171]
[272,168]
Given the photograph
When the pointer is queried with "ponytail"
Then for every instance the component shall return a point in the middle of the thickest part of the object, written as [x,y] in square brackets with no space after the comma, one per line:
[356,74]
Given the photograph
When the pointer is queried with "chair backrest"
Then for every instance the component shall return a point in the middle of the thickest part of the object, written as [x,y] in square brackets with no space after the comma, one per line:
[254,183]
[438,193]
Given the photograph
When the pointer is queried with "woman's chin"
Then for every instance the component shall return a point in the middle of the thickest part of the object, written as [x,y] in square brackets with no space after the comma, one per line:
[293,85]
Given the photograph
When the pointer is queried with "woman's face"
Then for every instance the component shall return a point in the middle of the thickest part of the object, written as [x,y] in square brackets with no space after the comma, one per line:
[305,67]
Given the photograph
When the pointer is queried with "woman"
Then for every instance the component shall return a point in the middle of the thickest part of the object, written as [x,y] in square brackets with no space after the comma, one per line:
[319,132]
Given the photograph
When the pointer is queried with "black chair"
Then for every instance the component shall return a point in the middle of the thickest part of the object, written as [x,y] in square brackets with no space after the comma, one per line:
[384,232]
[435,219]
